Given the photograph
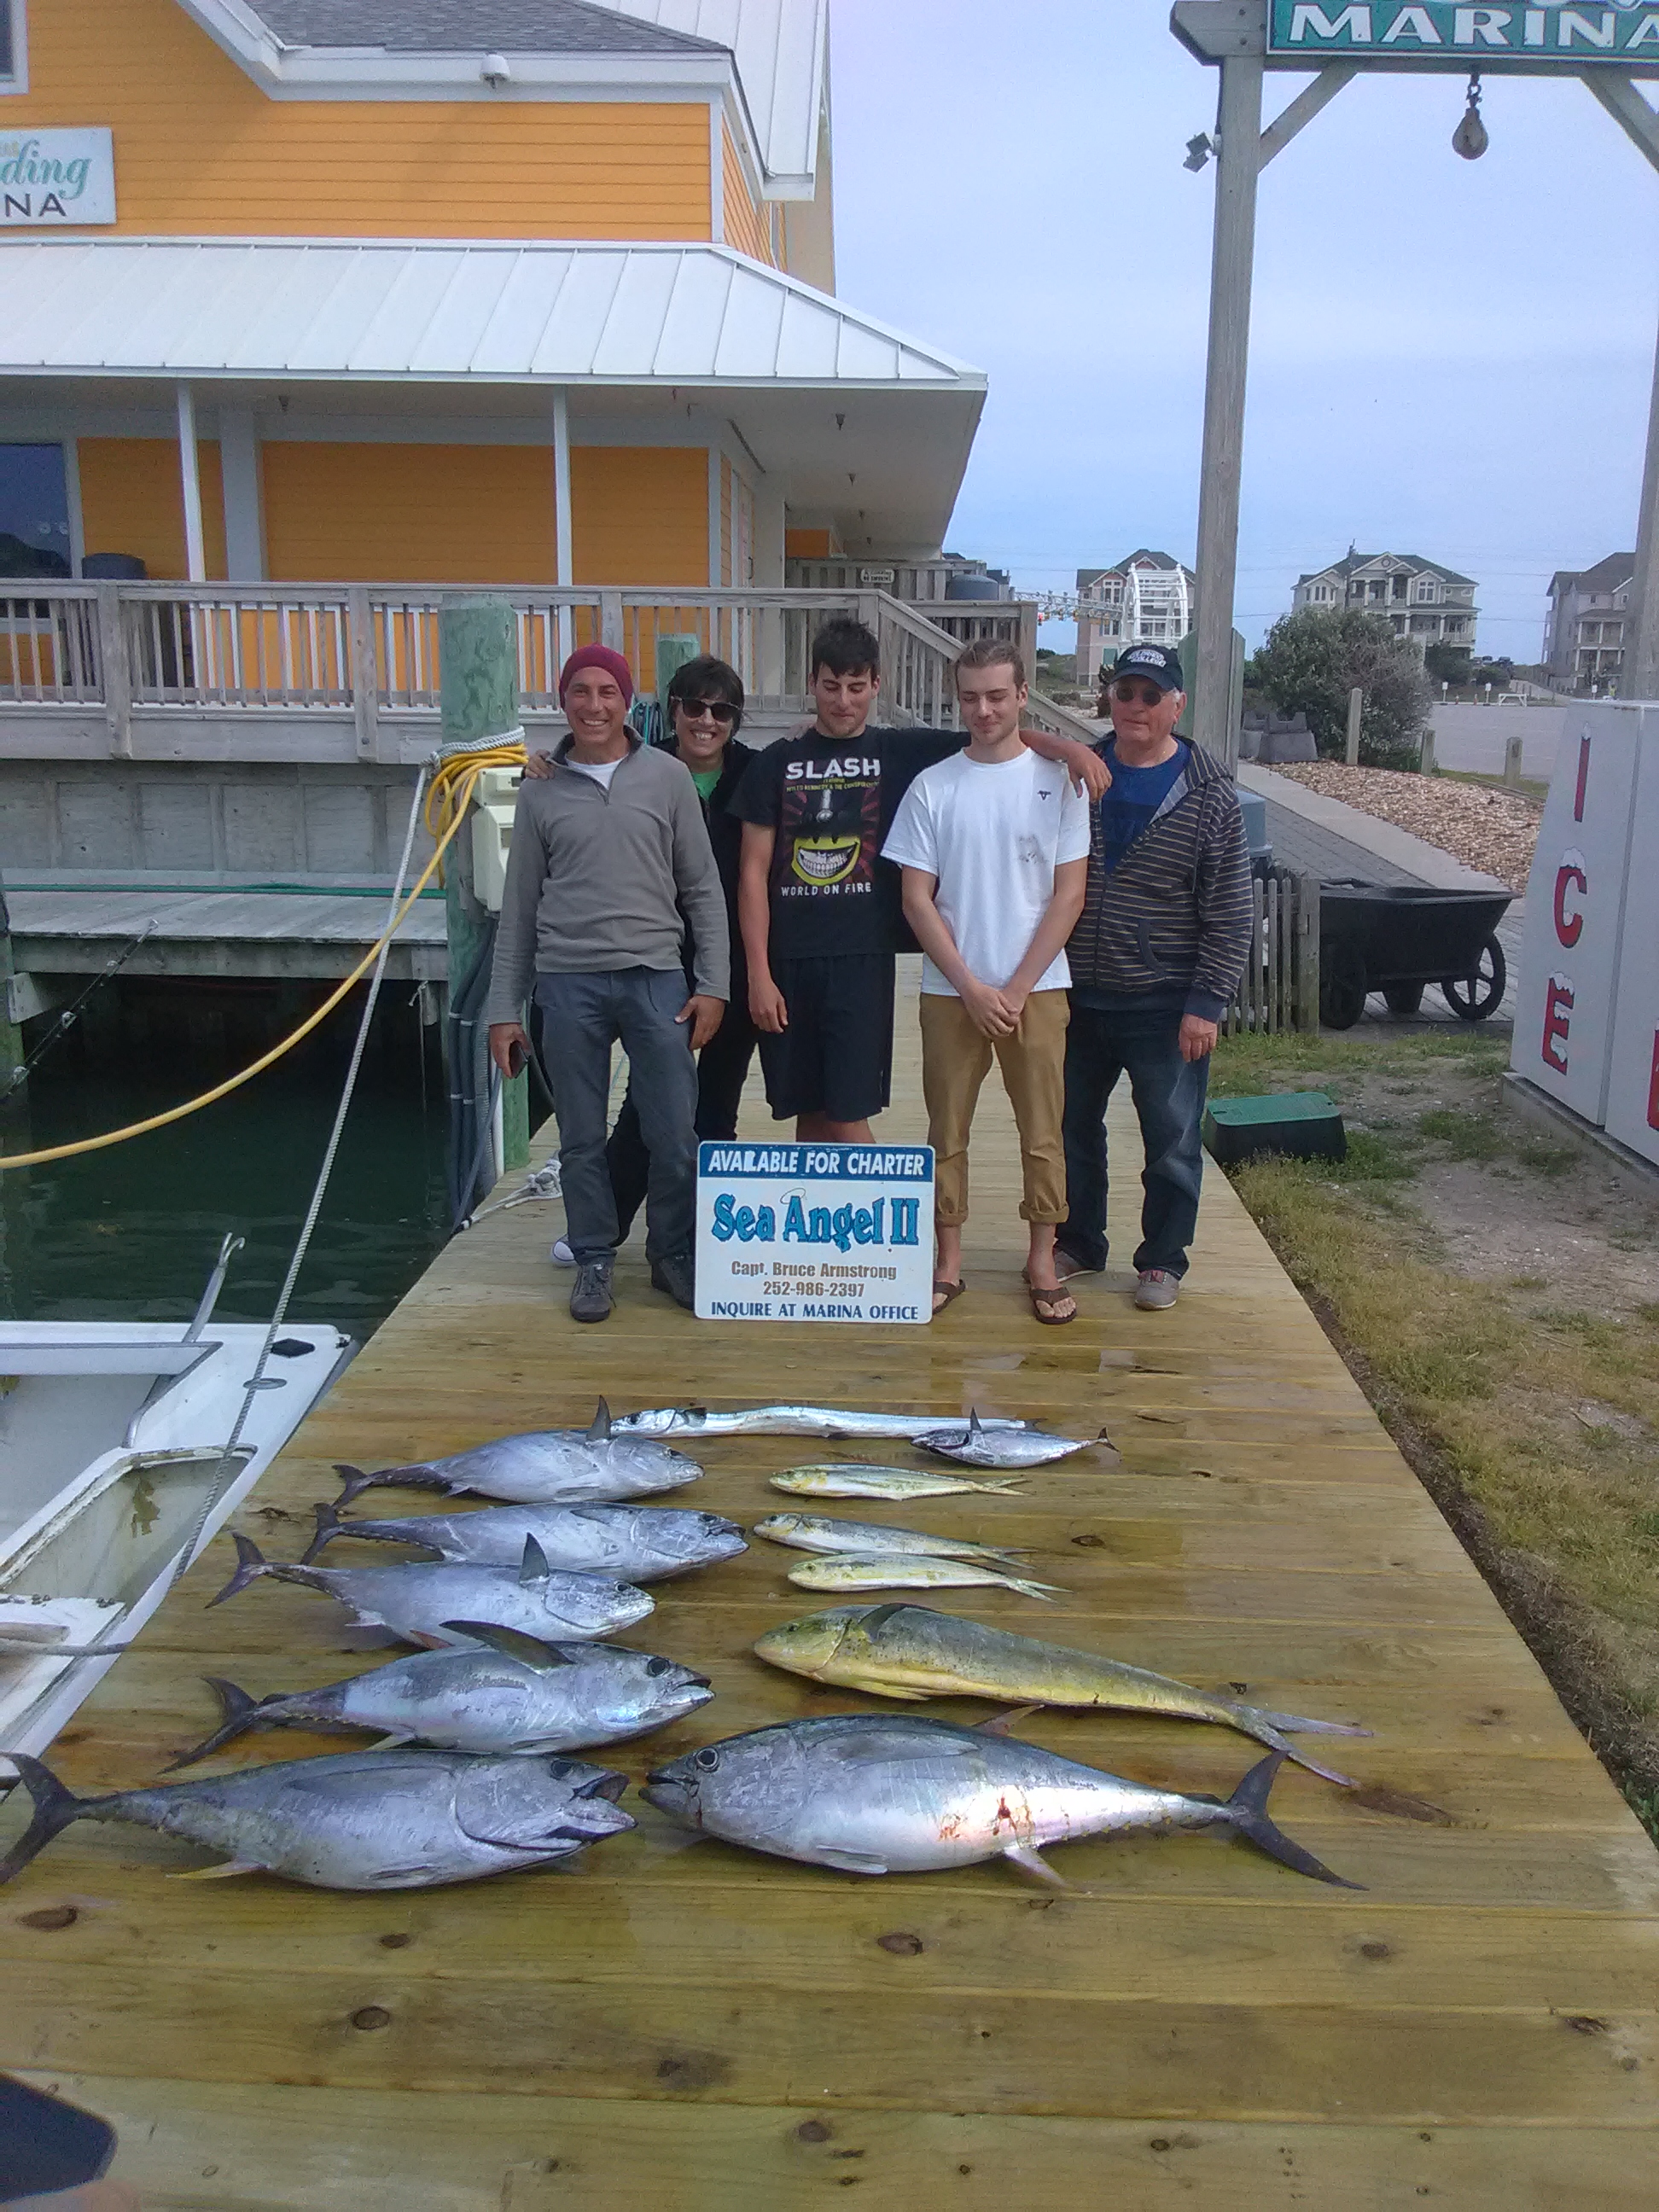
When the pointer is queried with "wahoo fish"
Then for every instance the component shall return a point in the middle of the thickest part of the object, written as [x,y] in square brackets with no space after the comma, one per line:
[423,1602]
[548,1467]
[889,1794]
[519,1695]
[911,1651]
[898,1483]
[983,1444]
[358,1819]
[784,1421]
[913,1571]
[630,1543]
[816,1532]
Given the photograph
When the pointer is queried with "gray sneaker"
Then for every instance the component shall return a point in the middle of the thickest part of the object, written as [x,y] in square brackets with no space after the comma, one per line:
[590,1294]
[1155,1288]
[675,1275]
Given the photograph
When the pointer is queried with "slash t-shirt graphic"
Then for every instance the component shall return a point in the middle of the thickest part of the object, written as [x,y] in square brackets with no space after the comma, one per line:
[832,804]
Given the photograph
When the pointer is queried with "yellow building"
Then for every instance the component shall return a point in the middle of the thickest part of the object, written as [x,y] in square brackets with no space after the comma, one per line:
[532,292]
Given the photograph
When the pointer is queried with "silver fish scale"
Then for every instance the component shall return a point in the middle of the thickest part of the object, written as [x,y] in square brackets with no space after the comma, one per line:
[419,1600]
[628,1543]
[481,1701]
[788,1420]
[562,1466]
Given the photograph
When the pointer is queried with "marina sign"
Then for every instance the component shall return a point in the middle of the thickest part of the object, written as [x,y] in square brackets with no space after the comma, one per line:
[1625,33]
[55,178]
[815,1233]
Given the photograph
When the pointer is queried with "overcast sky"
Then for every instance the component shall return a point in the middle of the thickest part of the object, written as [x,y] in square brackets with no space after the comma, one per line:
[1451,358]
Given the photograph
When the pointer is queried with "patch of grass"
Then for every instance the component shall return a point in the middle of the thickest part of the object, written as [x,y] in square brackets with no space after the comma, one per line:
[1246,1067]
[1470,1135]
[1528,788]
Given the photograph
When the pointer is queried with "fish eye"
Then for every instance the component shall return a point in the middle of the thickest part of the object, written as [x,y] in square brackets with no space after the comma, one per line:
[658,1666]
[708,1759]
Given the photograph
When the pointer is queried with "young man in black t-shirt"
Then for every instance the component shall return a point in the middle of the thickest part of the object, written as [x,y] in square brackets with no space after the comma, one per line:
[819,906]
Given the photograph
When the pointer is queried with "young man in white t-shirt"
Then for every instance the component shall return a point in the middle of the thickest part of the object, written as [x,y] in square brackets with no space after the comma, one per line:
[993,844]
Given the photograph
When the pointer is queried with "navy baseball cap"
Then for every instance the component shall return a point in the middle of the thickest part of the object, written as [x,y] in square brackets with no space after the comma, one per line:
[1157,661]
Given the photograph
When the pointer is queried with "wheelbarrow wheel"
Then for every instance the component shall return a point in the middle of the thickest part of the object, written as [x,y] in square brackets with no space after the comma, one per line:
[1341,985]
[1404,998]
[1472,997]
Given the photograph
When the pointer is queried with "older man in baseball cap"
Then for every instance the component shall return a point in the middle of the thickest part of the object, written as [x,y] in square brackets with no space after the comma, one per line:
[611,865]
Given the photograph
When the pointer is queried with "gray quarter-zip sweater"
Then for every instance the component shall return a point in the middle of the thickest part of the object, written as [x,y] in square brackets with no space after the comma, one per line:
[596,879]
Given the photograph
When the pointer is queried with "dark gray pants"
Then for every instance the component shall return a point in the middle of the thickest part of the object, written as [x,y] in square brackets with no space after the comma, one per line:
[582,1016]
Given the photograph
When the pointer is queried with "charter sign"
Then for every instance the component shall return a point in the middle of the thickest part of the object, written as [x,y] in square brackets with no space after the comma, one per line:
[1627,32]
[53,177]
[815,1233]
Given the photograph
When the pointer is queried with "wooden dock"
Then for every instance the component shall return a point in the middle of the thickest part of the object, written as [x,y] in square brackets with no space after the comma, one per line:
[698,2028]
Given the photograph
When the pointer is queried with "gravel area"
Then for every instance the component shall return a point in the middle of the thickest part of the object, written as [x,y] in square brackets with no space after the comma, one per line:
[1492,830]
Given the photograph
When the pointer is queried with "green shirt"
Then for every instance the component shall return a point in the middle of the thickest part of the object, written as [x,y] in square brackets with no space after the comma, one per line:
[705,779]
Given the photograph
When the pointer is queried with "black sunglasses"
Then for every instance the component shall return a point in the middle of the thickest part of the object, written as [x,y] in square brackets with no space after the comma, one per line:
[721,709]
[1149,695]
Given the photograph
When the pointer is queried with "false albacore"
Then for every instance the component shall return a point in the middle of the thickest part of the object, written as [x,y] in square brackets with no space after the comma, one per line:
[518,1695]
[821,1532]
[422,1603]
[984,1443]
[891,1793]
[593,1466]
[896,1484]
[909,1570]
[630,1543]
[911,1651]
[359,1820]
[785,1421]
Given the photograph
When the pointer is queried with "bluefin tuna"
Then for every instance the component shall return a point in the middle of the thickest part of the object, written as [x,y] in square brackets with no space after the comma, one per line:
[876,1794]
[358,1819]
[983,1444]
[911,1651]
[629,1543]
[422,1603]
[548,1467]
[823,1532]
[518,1695]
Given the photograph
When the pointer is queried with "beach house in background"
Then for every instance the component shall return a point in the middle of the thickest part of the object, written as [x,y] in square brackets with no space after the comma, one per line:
[1147,597]
[1427,603]
[1584,628]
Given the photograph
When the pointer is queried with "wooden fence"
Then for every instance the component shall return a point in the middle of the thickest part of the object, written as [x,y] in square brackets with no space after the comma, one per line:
[1279,989]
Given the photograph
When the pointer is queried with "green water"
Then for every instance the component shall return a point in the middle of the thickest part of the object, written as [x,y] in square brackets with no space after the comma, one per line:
[132,1233]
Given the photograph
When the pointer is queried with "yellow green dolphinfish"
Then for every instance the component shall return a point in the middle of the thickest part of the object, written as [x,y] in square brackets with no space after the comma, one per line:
[867,1540]
[896,1484]
[911,1651]
[905,1571]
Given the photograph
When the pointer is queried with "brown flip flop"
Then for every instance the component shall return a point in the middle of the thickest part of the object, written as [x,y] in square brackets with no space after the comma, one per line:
[945,1293]
[1042,1299]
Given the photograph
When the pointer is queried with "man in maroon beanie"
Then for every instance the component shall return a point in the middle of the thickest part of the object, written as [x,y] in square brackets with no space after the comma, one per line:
[611,862]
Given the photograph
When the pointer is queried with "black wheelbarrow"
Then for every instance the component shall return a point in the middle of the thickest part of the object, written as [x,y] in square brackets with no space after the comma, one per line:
[1398,938]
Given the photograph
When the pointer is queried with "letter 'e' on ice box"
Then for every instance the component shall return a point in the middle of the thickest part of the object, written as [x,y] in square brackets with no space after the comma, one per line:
[815,1233]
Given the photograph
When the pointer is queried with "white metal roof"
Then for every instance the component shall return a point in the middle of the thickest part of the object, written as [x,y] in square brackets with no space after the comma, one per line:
[342,310]
[781,48]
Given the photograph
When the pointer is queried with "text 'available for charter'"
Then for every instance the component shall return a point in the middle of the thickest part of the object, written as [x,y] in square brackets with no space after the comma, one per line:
[814,1232]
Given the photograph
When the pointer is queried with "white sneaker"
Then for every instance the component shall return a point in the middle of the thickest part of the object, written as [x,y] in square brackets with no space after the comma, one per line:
[562,1255]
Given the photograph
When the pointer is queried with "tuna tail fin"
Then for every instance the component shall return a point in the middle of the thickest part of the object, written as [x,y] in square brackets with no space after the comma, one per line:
[329,1525]
[54,1808]
[1247,1812]
[237,1712]
[417,1476]
[250,1566]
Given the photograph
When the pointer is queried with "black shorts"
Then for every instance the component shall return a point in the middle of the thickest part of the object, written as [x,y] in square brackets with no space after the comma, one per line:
[835,1058]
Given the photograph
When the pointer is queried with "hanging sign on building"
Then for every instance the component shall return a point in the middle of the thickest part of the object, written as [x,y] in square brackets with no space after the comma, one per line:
[1392,31]
[815,1233]
[54,177]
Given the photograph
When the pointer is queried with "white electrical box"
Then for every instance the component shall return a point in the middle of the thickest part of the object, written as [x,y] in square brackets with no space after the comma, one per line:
[494,800]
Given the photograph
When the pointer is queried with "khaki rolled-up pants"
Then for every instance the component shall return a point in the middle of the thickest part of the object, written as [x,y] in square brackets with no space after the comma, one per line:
[956,1058]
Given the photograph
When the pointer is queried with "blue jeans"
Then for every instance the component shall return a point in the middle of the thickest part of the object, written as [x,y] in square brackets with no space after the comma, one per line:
[582,1016]
[1169,1097]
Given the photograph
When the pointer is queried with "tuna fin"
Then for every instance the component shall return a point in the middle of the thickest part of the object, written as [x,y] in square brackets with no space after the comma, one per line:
[512,1643]
[1001,1723]
[250,1566]
[973,1429]
[533,1567]
[1247,1811]
[237,1713]
[852,1862]
[54,1808]
[395,1741]
[599,1429]
[1048,1592]
[1029,1860]
[329,1525]
[417,1476]
[219,1873]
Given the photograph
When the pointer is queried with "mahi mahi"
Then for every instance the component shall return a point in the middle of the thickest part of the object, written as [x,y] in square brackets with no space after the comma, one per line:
[630,1543]
[911,1651]
[359,1820]
[548,1467]
[423,1602]
[821,1532]
[518,1695]
[909,1570]
[896,1484]
[883,1793]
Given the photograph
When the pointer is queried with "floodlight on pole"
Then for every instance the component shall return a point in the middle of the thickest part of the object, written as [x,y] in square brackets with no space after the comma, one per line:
[1470,139]
[1198,151]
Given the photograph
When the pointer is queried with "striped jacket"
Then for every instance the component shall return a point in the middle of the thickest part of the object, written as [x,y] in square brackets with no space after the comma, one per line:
[1174,916]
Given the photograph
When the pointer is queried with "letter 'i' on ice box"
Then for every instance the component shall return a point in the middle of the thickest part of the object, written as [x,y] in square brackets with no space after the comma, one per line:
[1558,1006]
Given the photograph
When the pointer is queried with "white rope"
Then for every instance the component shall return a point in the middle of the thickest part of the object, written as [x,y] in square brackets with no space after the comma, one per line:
[458,748]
